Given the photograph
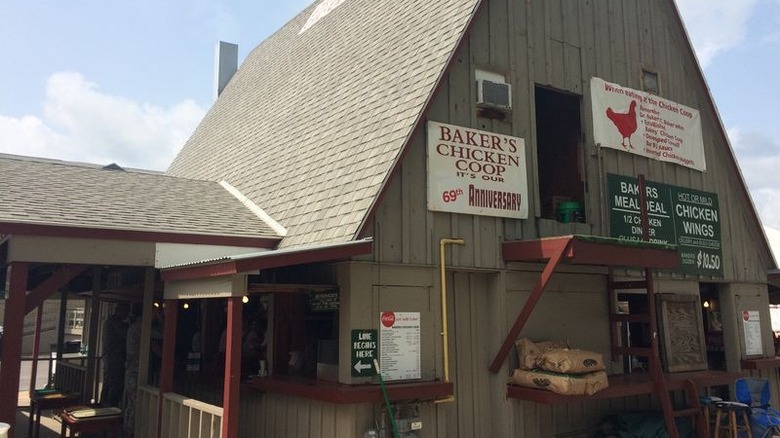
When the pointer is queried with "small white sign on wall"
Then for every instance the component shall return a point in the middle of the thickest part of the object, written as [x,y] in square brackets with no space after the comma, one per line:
[476,172]
[751,324]
[399,345]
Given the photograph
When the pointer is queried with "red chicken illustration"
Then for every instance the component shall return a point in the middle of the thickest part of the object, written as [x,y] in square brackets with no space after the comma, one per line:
[625,123]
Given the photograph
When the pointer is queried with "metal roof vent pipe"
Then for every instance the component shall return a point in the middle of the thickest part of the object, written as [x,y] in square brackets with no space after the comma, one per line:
[225,65]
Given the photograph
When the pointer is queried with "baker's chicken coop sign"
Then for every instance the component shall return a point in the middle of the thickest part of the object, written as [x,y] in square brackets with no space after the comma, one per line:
[476,172]
[645,124]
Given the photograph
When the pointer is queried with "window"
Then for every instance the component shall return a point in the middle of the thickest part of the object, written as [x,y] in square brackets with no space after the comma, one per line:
[650,81]
[558,152]
[305,335]
[74,321]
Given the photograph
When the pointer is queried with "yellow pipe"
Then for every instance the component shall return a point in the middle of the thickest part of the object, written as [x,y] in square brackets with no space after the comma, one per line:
[444,332]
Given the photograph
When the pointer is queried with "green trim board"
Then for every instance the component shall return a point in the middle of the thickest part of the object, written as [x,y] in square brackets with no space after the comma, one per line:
[685,217]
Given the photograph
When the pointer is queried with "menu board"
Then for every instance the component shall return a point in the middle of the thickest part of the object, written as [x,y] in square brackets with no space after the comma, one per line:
[676,215]
[399,334]
[324,301]
[751,324]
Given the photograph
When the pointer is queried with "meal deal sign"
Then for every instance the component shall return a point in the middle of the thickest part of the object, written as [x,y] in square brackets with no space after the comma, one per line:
[678,216]
[647,125]
[476,172]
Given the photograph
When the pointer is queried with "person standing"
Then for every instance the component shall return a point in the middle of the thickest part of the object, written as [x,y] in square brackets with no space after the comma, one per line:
[114,332]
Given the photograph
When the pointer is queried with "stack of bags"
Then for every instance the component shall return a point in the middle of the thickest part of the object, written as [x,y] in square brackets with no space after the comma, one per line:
[553,366]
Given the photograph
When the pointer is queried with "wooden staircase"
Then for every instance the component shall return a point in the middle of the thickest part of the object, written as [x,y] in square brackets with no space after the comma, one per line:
[652,353]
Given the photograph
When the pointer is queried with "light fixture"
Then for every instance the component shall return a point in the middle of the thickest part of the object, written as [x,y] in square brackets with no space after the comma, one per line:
[245,299]
[706,304]
[156,304]
[186,306]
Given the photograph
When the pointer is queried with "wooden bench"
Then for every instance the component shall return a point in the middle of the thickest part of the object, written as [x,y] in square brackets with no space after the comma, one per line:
[83,419]
[42,400]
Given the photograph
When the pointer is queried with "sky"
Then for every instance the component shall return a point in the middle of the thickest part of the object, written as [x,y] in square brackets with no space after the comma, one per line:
[127,82]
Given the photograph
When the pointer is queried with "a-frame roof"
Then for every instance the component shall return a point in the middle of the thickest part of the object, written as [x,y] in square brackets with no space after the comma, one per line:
[312,123]
[51,197]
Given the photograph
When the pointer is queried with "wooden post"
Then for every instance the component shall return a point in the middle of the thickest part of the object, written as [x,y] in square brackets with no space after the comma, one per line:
[13,326]
[90,379]
[36,349]
[61,325]
[231,400]
[168,358]
[146,327]
[530,303]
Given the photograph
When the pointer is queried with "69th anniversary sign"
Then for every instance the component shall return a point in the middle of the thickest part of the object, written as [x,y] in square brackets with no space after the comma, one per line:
[476,172]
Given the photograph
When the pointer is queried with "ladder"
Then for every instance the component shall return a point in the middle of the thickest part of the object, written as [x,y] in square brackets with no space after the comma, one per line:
[652,353]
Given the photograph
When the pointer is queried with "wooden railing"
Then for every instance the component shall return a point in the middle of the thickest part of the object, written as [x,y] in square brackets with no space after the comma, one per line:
[146,405]
[70,377]
[184,417]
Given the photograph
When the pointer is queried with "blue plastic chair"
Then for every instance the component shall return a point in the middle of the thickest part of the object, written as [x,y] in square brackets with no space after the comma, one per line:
[754,392]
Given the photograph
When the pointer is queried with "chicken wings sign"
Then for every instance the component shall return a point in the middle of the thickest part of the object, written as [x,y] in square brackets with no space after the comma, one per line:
[647,125]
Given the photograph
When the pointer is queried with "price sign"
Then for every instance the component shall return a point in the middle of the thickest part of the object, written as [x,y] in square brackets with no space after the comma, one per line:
[679,216]
[400,344]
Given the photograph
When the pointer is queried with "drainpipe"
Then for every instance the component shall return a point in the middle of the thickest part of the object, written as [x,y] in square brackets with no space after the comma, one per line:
[444,333]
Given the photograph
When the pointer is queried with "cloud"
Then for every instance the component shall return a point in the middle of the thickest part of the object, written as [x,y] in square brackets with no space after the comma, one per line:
[82,123]
[729,17]
[759,159]
[773,236]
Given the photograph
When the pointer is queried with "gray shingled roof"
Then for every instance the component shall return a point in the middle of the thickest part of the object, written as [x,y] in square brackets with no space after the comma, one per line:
[312,123]
[57,193]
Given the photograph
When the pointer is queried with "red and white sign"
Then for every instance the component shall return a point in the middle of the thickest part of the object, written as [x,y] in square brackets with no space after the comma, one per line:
[645,124]
[751,326]
[388,319]
[399,345]
[476,172]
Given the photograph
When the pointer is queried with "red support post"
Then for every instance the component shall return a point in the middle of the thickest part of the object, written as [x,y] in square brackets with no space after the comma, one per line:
[230,404]
[13,326]
[168,357]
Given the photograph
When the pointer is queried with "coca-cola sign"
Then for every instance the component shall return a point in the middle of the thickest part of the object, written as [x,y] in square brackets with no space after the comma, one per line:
[388,319]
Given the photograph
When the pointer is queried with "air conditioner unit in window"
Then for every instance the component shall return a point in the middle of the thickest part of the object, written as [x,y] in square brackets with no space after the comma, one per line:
[493,93]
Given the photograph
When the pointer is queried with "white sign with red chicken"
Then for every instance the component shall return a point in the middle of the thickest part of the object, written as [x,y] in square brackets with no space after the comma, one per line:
[647,125]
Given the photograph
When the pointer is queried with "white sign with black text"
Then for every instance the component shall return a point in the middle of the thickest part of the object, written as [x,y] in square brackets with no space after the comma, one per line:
[399,345]
[751,324]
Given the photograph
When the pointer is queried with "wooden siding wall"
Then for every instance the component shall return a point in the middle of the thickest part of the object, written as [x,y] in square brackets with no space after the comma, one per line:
[274,415]
[573,308]
[562,44]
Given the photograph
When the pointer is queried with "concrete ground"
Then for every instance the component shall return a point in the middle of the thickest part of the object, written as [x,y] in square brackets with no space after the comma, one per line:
[50,428]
